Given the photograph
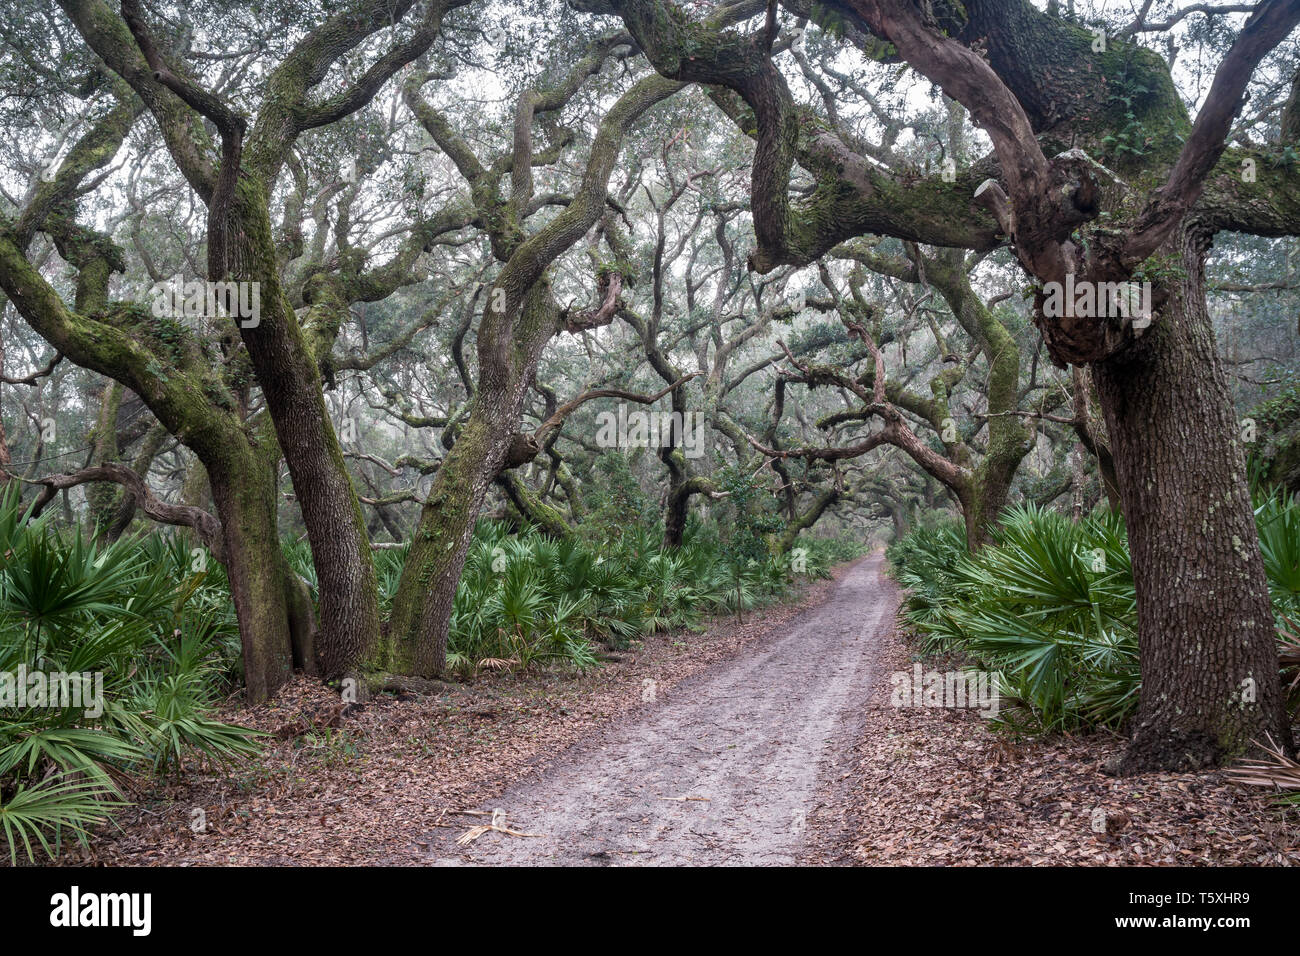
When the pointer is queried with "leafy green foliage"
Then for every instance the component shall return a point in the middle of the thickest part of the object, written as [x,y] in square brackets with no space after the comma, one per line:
[1278,518]
[1050,605]
[525,598]
[156,638]
[746,549]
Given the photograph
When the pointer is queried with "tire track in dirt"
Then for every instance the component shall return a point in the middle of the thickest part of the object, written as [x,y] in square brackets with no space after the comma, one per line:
[755,735]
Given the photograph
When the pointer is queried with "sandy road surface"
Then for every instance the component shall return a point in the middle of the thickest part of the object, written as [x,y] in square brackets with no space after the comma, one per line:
[754,735]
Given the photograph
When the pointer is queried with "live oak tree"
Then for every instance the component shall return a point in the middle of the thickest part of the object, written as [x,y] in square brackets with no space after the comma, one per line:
[520,317]
[1098,174]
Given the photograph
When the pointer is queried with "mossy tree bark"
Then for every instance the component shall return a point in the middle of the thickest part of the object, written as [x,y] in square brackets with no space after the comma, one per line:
[290,378]
[276,626]
[520,318]
[532,509]
[1181,475]
[809,517]
[102,498]
[422,605]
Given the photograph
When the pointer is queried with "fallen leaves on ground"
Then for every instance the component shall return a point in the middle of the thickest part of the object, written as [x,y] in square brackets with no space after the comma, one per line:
[358,785]
[934,786]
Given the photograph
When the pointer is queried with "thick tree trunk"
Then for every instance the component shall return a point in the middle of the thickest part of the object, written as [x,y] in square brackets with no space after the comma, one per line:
[1209,658]
[102,497]
[421,617]
[195,489]
[275,622]
[898,515]
[677,509]
[987,498]
[290,381]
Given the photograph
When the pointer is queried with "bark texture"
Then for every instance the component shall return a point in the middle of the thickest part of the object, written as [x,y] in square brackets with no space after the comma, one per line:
[1209,656]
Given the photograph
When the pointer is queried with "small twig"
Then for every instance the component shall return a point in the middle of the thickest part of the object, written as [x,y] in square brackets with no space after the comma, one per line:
[473,834]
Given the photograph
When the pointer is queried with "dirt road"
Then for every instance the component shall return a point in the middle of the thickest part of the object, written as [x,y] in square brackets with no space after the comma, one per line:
[723,770]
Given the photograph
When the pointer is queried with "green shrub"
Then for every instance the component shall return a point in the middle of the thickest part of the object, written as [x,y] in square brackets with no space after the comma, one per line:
[526,598]
[1278,518]
[156,632]
[1050,605]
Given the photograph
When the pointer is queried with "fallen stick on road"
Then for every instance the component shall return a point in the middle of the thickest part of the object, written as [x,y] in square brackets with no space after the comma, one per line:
[465,839]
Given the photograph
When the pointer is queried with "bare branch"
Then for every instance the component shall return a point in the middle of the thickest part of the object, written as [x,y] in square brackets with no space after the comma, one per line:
[204,524]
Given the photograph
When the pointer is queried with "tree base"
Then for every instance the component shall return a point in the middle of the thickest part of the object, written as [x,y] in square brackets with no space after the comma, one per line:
[1172,752]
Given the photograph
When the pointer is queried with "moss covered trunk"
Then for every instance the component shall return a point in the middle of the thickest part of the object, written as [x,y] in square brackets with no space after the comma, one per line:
[291,384]
[809,518]
[987,496]
[419,625]
[532,509]
[102,498]
[275,616]
[677,507]
[1208,653]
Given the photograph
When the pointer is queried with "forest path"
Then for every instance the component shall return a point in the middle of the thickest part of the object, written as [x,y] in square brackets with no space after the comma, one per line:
[755,736]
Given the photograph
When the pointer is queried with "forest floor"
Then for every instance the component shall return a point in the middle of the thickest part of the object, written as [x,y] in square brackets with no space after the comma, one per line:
[935,787]
[365,786]
[747,744]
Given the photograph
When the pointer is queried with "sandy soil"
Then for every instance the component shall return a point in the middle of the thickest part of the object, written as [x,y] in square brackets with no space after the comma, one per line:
[361,786]
[725,768]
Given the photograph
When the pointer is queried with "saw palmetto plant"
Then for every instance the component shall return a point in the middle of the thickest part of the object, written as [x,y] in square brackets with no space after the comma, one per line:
[142,626]
[1050,605]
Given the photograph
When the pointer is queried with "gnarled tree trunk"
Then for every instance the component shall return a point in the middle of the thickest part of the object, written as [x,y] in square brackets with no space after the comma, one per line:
[291,385]
[1181,475]
[421,617]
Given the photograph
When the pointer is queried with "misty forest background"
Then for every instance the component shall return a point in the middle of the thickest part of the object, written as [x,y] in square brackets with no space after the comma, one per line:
[821,230]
